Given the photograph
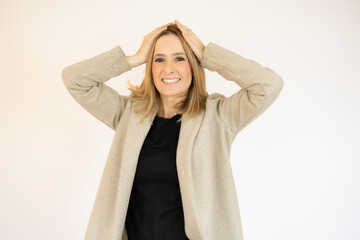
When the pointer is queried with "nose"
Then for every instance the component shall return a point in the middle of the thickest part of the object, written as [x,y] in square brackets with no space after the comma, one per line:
[168,67]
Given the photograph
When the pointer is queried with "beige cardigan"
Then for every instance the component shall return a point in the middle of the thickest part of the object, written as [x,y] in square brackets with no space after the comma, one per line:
[207,186]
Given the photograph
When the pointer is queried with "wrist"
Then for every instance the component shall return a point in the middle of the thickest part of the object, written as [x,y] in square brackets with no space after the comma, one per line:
[134,61]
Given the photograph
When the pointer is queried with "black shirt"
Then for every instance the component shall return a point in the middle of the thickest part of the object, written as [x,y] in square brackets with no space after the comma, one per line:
[155,209]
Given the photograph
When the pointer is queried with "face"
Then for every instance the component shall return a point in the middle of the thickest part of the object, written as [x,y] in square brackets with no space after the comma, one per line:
[170,67]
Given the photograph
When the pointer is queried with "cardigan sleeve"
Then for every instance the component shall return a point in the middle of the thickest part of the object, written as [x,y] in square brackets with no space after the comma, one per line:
[85,82]
[260,86]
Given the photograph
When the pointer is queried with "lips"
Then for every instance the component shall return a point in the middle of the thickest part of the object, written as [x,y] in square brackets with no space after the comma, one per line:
[170,80]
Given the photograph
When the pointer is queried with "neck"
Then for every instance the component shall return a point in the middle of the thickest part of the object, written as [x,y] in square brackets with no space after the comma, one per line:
[167,108]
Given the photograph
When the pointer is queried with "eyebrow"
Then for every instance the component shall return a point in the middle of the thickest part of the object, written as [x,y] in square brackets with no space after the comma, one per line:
[174,54]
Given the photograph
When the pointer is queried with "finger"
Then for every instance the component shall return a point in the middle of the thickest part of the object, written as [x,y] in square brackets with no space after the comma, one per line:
[161,28]
[186,32]
[158,30]
[182,27]
[165,25]
[178,23]
[195,43]
[169,23]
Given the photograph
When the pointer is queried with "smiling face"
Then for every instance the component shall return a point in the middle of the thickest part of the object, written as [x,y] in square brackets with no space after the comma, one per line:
[171,69]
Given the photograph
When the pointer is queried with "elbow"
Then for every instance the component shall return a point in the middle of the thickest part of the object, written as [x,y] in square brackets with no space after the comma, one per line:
[75,83]
[276,86]
[65,76]
[68,77]
[279,84]
[276,82]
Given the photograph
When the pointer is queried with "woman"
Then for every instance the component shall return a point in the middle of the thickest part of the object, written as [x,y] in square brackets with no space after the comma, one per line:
[168,174]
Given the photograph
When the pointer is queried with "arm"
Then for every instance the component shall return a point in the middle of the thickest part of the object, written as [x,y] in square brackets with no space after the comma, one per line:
[260,86]
[85,81]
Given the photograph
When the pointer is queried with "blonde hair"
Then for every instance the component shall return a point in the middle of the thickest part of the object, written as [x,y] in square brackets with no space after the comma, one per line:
[146,97]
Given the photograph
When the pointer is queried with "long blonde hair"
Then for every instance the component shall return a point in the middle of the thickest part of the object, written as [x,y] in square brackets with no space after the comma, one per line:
[146,97]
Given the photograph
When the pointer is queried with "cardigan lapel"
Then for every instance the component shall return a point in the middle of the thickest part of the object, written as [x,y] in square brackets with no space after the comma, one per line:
[130,153]
[134,139]
[188,131]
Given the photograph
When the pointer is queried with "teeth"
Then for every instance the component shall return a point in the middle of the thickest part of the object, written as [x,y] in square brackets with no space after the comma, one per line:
[171,80]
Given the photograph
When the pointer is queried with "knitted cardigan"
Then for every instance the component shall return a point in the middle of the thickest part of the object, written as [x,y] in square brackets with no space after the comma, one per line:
[209,198]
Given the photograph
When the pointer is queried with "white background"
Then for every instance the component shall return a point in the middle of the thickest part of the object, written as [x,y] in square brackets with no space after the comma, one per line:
[296,167]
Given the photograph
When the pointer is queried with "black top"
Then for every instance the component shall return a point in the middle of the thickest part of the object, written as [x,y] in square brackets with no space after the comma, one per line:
[155,209]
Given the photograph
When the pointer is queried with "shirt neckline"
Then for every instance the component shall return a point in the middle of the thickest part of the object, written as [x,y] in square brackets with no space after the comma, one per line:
[175,116]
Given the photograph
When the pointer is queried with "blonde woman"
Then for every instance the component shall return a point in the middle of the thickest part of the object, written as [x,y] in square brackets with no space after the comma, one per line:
[168,174]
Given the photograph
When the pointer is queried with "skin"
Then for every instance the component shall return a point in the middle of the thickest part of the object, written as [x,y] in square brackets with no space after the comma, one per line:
[170,62]
[170,65]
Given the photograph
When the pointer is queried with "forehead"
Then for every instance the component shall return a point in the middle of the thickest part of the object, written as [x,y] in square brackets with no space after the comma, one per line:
[168,44]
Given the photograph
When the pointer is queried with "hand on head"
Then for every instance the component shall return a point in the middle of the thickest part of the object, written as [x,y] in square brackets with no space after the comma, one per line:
[194,42]
[148,39]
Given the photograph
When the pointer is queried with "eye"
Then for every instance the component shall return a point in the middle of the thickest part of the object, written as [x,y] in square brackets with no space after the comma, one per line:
[180,59]
[159,60]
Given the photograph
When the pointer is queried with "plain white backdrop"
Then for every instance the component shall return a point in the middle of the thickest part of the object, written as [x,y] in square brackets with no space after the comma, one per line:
[296,167]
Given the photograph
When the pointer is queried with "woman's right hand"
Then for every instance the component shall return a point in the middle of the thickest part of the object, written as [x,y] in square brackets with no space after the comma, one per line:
[141,55]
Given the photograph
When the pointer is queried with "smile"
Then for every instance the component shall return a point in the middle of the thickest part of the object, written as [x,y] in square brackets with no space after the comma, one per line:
[170,80]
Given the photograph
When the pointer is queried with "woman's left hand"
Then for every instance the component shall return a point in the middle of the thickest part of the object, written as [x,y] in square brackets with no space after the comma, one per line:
[195,43]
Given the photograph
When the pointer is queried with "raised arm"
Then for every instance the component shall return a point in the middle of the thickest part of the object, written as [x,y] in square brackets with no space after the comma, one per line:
[259,85]
[85,80]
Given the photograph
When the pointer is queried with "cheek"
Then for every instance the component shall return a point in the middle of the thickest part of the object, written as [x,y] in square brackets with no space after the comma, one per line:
[155,70]
[186,70]
[155,75]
